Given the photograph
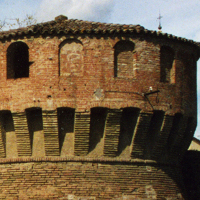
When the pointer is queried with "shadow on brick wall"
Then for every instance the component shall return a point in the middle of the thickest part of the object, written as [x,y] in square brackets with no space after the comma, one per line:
[191,171]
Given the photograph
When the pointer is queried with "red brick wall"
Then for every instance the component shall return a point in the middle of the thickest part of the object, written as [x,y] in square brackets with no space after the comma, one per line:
[46,89]
[164,121]
[80,179]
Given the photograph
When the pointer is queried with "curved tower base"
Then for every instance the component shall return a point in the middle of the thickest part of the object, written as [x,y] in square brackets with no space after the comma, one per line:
[81,179]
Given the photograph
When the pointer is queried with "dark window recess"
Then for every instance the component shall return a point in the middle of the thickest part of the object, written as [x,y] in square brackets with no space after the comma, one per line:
[154,130]
[123,59]
[65,123]
[174,130]
[17,60]
[97,126]
[34,120]
[7,126]
[189,76]
[167,71]
[128,123]
[7,121]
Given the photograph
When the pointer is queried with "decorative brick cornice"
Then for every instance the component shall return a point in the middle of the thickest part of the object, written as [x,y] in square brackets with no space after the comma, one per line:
[85,159]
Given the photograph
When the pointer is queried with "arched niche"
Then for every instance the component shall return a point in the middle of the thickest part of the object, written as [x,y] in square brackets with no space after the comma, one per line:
[123,59]
[71,58]
[167,65]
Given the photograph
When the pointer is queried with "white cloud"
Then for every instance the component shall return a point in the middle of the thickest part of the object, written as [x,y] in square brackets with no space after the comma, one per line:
[86,10]
[197,35]
[17,8]
[180,17]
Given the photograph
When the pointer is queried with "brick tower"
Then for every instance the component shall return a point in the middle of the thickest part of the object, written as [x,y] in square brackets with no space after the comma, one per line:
[95,111]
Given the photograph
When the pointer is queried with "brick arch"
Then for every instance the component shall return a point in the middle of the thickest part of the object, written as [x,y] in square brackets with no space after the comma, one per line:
[123,59]
[18,60]
[71,58]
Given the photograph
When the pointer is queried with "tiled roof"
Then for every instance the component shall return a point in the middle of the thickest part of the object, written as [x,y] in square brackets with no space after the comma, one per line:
[62,24]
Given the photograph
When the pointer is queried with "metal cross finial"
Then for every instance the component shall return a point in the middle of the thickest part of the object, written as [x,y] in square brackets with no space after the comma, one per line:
[159,18]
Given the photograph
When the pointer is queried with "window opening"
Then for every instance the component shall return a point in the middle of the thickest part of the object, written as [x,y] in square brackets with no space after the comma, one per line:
[97,127]
[17,60]
[167,64]
[65,123]
[123,59]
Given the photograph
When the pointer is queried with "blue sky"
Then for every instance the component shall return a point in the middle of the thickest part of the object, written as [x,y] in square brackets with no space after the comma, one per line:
[180,17]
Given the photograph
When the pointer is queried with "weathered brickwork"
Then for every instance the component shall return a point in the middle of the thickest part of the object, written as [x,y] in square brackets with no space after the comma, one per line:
[47,87]
[83,179]
[95,111]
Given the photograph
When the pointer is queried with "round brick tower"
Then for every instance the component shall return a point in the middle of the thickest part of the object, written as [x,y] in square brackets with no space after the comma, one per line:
[95,111]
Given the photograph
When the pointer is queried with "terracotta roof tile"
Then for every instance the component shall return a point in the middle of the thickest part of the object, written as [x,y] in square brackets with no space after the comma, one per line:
[62,24]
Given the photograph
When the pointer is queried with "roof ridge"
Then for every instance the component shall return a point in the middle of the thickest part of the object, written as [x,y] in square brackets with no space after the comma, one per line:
[61,23]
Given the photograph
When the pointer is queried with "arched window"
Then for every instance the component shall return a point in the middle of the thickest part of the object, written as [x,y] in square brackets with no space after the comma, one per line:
[71,58]
[17,60]
[167,65]
[123,59]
